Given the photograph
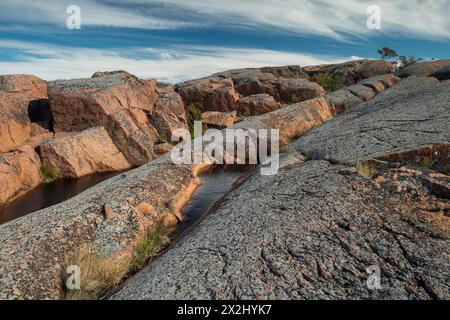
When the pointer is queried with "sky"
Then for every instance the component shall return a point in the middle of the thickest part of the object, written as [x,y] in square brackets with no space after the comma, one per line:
[177,40]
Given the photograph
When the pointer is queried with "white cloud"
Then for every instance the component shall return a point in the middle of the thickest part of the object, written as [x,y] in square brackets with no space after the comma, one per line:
[422,18]
[171,65]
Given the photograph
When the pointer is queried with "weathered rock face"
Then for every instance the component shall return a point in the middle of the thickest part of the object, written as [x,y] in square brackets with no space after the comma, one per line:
[219,120]
[298,90]
[209,94]
[287,85]
[420,104]
[163,148]
[169,115]
[20,171]
[292,120]
[14,121]
[256,82]
[313,230]
[309,232]
[423,69]
[348,97]
[294,71]
[23,99]
[29,87]
[78,154]
[257,104]
[99,74]
[118,102]
[372,68]
[353,71]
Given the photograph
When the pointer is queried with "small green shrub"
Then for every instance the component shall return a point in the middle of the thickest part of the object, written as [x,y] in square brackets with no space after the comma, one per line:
[194,114]
[329,82]
[49,173]
[406,61]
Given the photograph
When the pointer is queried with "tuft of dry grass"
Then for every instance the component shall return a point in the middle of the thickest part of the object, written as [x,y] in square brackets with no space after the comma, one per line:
[3,201]
[99,276]
[367,169]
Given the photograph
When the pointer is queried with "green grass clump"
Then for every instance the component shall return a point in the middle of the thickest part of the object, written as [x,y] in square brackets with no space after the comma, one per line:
[149,246]
[49,173]
[426,163]
[329,82]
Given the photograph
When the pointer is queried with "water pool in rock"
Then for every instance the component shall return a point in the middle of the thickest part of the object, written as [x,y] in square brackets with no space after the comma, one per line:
[49,194]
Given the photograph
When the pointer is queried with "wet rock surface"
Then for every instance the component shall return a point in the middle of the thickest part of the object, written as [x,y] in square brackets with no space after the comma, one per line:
[33,248]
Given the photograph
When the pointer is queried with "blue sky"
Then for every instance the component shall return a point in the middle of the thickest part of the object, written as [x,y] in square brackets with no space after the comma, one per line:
[175,40]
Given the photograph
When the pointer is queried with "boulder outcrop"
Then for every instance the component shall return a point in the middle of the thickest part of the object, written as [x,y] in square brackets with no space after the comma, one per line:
[298,90]
[290,84]
[29,87]
[219,120]
[14,121]
[257,104]
[353,72]
[118,102]
[169,115]
[20,171]
[442,73]
[209,94]
[23,100]
[297,119]
[423,69]
[81,153]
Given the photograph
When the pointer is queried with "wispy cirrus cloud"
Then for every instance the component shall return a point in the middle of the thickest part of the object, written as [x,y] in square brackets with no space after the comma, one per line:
[170,65]
[330,18]
[94,13]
